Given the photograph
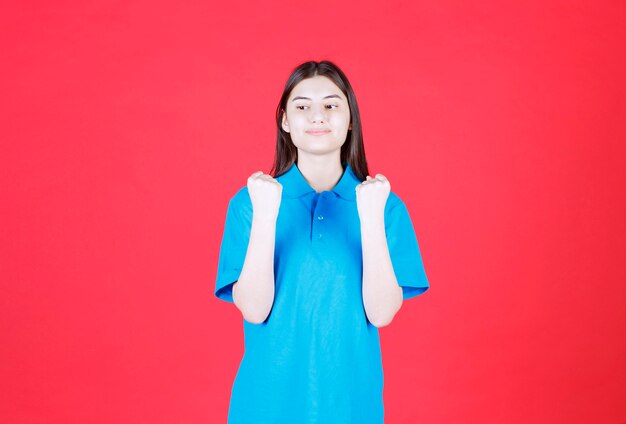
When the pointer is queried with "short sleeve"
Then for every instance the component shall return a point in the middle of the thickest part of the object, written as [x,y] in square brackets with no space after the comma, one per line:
[404,251]
[233,248]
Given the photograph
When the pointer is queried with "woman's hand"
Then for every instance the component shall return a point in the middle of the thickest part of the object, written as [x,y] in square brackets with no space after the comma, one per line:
[265,194]
[371,197]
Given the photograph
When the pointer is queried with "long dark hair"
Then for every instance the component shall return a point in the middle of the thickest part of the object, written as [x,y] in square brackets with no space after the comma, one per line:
[352,151]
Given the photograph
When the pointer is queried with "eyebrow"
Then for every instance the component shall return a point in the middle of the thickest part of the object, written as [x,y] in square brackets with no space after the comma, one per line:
[306,98]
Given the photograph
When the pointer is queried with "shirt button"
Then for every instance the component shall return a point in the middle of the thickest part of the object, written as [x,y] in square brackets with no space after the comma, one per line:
[320,217]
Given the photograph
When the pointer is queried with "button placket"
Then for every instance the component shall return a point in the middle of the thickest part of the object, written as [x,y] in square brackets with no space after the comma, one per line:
[318,222]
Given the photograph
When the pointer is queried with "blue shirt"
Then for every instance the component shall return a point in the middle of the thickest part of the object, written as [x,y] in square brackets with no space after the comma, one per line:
[316,358]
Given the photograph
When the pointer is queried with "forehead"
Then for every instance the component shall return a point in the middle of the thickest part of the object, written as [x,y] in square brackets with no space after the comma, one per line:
[316,88]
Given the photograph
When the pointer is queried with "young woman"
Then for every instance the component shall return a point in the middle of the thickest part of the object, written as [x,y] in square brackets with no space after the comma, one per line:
[316,258]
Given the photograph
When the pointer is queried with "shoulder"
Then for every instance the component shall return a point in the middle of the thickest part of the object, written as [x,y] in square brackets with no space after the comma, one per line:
[240,203]
[393,201]
[241,196]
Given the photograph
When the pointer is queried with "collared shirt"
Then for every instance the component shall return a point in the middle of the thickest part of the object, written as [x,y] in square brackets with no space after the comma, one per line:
[316,358]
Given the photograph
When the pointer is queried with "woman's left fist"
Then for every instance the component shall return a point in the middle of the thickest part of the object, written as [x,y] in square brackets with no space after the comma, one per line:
[371,197]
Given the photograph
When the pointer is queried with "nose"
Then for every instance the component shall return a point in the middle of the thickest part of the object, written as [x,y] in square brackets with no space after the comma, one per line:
[318,114]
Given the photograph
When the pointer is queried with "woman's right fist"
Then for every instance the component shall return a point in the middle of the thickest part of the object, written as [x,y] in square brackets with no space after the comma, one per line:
[265,194]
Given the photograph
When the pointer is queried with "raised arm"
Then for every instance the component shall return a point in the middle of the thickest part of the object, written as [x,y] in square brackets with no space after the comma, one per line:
[253,293]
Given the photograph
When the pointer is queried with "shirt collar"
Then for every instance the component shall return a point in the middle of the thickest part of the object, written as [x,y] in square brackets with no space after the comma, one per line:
[295,185]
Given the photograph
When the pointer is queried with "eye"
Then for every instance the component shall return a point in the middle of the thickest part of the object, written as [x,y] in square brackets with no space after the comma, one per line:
[300,106]
[332,106]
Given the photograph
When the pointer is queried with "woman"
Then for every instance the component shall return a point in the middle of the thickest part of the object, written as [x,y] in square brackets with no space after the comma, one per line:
[316,258]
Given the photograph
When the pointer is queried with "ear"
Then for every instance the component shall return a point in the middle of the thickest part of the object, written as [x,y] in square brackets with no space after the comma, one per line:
[285,124]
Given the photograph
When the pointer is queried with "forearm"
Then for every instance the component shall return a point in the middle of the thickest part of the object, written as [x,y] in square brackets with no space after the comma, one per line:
[253,294]
[382,296]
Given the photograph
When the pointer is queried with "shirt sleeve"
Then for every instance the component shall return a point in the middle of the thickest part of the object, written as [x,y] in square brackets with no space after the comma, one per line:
[404,251]
[233,247]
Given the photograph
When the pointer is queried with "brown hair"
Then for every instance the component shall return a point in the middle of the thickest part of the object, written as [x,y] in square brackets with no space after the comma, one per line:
[352,151]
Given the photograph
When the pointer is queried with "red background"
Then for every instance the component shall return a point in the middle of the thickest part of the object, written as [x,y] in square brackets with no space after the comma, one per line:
[127,126]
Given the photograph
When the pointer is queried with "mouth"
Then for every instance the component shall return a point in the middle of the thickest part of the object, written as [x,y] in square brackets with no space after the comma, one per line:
[317,132]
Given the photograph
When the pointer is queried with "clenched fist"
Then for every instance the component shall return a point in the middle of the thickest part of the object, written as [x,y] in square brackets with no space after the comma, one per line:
[371,197]
[265,194]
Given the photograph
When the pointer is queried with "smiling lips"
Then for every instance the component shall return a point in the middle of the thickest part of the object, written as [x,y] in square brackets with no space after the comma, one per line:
[317,132]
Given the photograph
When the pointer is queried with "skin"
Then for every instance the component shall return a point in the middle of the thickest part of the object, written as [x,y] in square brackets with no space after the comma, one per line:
[309,107]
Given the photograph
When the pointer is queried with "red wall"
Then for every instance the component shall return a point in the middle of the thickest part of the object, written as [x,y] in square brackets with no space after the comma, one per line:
[126,127]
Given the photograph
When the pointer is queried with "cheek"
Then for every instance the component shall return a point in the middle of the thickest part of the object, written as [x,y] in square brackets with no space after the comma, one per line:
[341,121]
[298,123]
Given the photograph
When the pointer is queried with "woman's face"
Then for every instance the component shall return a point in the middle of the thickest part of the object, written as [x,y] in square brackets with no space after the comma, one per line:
[317,115]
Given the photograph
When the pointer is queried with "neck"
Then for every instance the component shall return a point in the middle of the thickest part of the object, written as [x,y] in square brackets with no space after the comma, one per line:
[320,172]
